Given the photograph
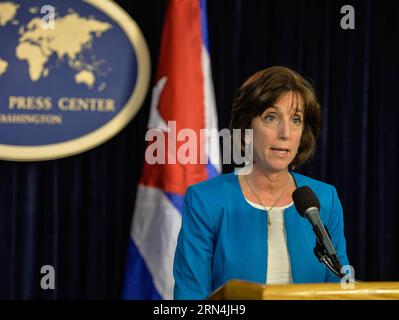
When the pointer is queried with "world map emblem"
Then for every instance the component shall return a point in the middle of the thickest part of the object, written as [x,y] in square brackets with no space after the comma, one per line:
[72,75]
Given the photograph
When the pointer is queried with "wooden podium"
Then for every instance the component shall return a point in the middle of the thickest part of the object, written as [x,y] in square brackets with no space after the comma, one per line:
[243,290]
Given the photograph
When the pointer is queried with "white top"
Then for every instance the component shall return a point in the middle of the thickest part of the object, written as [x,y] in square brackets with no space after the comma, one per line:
[278,259]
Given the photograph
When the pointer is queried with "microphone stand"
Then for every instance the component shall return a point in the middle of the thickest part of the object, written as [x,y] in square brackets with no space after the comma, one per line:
[323,257]
[332,263]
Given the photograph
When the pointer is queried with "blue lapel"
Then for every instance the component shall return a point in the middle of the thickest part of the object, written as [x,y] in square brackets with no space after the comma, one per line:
[301,241]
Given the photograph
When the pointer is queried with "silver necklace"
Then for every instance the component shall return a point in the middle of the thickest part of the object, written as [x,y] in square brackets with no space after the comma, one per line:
[275,202]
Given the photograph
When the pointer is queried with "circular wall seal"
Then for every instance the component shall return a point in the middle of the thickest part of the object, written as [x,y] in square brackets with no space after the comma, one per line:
[72,75]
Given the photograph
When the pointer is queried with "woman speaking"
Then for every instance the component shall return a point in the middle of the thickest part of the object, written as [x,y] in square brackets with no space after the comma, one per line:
[246,226]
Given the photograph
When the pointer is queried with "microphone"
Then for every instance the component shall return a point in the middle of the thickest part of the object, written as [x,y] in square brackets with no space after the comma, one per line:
[308,206]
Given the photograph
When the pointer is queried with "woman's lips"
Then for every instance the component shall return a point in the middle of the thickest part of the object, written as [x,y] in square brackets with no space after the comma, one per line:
[281,152]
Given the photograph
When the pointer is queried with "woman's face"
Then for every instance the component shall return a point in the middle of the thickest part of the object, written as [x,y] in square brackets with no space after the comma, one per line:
[277,133]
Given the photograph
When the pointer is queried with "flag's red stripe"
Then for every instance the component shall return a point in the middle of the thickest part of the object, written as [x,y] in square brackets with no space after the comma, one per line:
[182,99]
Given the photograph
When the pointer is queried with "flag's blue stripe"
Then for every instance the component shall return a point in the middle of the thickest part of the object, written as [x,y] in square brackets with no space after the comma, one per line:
[176,200]
[204,25]
[138,284]
[210,168]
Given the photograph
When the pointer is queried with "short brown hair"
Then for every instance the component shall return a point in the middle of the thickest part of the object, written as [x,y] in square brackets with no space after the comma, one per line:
[262,90]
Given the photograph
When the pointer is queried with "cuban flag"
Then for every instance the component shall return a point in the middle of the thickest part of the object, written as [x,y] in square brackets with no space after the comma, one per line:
[182,98]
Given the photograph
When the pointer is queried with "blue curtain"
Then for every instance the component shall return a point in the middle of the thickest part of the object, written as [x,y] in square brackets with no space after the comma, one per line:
[356,76]
[75,213]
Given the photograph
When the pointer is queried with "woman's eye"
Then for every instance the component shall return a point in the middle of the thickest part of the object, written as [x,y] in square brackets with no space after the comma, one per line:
[297,120]
[270,118]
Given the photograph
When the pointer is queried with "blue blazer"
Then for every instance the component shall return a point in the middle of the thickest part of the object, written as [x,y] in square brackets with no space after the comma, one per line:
[223,237]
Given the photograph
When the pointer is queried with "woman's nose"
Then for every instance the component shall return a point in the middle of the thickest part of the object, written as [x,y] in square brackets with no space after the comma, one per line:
[285,129]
